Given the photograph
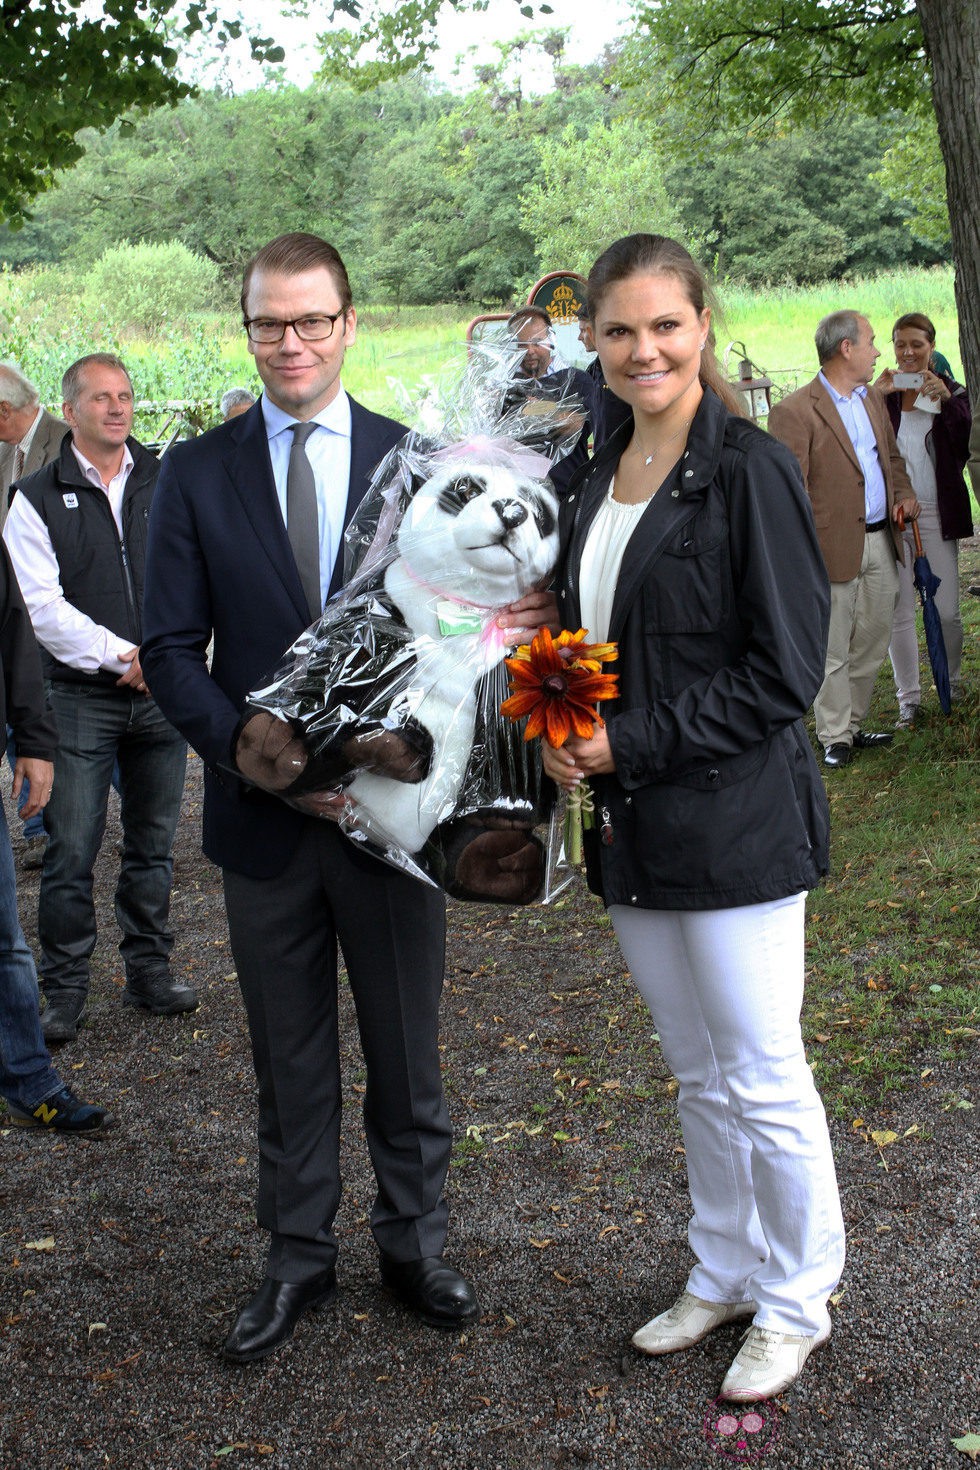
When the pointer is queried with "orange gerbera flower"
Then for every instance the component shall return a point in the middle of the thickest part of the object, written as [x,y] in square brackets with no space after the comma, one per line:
[556,684]
[572,648]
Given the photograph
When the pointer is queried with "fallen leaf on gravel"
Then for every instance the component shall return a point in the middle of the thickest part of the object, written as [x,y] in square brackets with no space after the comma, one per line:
[97,1327]
[609,1230]
[883,1136]
[47,1244]
[969,1444]
[539,1245]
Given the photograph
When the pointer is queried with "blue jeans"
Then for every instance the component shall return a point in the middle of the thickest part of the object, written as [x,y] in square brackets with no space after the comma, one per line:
[26,1074]
[34,826]
[98,726]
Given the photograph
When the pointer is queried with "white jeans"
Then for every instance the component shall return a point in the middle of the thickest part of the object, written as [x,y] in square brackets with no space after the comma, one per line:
[725,988]
[904,649]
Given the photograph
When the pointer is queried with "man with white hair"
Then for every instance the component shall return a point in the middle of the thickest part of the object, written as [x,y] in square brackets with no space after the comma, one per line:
[30,437]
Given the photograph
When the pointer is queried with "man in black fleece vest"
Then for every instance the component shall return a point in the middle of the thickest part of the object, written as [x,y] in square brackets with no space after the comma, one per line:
[76,533]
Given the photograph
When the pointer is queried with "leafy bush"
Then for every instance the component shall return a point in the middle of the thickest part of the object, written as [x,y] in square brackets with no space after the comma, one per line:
[144,285]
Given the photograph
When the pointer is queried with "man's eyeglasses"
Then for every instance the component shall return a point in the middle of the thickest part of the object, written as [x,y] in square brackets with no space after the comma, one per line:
[307,328]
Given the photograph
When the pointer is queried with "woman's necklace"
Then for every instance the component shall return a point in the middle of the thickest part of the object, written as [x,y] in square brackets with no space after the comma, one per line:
[661,447]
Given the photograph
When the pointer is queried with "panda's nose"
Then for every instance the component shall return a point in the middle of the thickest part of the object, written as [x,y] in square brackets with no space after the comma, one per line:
[511,512]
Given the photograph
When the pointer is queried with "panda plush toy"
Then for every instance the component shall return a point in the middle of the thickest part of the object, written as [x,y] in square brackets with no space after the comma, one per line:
[392,698]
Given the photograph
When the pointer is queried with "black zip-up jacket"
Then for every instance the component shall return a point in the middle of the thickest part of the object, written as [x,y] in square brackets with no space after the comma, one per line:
[101,574]
[720,613]
[22,702]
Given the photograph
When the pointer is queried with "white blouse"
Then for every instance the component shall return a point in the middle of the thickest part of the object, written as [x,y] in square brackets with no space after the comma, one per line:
[602,558]
[911,439]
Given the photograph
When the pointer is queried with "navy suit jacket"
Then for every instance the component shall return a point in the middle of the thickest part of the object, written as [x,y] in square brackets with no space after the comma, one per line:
[219,565]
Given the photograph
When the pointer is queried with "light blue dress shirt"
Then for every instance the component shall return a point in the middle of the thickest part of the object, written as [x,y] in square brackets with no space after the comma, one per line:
[854,417]
[328,451]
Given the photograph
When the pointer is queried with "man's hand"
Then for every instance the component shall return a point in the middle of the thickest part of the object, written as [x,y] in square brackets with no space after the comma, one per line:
[40,775]
[133,677]
[330,805]
[907,509]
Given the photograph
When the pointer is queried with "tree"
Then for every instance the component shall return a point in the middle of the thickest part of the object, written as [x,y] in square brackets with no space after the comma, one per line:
[738,60]
[571,220]
[62,72]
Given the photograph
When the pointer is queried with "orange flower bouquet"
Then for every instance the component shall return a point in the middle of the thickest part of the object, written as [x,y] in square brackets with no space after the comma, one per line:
[555,684]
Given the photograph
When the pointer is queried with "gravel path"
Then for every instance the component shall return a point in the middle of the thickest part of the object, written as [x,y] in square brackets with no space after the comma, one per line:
[568,1212]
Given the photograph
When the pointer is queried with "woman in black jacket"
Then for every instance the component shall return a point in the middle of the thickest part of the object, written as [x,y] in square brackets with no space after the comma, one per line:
[689,541]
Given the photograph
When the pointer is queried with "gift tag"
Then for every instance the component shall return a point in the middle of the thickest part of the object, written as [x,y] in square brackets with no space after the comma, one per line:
[455,618]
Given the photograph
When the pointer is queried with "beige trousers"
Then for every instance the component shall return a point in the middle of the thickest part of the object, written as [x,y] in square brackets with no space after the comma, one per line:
[861,615]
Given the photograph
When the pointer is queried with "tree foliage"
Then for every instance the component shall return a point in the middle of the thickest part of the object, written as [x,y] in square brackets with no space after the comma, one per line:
[569,214]
[806,58]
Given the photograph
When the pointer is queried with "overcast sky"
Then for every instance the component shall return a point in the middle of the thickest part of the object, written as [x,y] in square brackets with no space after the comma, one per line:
[592,24]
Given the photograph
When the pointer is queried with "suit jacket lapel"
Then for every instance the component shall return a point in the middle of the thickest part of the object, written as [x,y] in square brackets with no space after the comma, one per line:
[249,469]
[827,410]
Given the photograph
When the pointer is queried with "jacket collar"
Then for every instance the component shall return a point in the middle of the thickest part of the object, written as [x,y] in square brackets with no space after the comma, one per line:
[683,490]
[145,466]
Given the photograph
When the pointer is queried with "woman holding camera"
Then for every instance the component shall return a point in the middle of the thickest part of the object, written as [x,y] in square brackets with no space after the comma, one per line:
[930,413]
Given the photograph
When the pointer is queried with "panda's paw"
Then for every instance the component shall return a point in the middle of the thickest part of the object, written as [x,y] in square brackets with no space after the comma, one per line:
[269,754]
[402,754]
[504,866]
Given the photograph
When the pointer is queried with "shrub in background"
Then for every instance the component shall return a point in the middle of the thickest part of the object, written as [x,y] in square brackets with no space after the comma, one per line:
[144,286]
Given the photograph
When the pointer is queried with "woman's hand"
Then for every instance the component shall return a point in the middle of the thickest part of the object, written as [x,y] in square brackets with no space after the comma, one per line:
[883,382]
[578,758]
[523,618]
[934,387]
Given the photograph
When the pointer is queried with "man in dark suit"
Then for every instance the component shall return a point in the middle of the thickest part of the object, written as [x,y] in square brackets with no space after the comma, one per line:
[30,437]
[245,545]
[857,484]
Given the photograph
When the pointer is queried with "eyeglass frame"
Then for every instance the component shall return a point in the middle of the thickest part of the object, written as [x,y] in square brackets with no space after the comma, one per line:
[331,317]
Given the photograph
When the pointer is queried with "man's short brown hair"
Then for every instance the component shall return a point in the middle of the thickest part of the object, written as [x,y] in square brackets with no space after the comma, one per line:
[71,383]
[293,254]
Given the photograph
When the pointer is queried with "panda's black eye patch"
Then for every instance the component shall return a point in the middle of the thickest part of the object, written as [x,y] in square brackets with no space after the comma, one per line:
[544,516]
[459,493]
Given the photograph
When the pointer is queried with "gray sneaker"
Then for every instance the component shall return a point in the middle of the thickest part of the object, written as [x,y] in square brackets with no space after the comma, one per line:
[906,716]
[32,852]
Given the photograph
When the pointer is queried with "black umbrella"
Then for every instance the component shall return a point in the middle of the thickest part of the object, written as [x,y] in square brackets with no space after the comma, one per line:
[926,583]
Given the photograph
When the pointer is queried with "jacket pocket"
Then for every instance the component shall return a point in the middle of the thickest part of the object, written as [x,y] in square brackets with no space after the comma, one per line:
[689,588]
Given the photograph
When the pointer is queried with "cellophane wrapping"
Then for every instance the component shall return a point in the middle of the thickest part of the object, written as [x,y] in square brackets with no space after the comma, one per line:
[393,695]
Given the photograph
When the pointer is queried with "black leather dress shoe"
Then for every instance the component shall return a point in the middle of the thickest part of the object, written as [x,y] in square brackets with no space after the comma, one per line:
[837,755]
[269,1319]
[871,739]
[432,1290]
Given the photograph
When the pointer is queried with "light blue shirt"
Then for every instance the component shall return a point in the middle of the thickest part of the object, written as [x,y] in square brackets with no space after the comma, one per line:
[328,450]
[854,417]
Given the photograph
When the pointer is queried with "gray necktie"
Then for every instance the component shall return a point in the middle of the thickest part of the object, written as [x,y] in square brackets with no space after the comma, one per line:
[18,462]
[302,519]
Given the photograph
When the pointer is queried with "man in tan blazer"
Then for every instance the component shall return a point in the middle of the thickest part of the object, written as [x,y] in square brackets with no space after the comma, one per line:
[857,483]
[30,437]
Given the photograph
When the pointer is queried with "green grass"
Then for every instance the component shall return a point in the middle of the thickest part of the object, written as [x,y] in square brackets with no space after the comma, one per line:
[777,323]
[893,936]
